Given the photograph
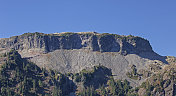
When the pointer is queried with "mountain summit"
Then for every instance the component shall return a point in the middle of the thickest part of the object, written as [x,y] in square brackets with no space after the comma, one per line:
[128,57]
[82,40]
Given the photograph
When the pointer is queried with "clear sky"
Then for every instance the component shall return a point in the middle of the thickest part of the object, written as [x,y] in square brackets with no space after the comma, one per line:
[154,20]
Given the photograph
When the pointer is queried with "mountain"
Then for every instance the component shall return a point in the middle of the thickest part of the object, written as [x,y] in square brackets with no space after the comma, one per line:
[108,63]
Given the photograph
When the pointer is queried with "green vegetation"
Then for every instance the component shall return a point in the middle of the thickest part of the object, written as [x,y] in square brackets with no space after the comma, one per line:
[158,82]
[106,85]
[144,73]
[119,87]
[133,74]
[111,88]
[89,91]
[94,77]
[32,34]
[19,77]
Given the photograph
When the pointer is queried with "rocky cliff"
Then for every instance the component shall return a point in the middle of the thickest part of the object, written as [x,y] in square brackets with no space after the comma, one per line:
[88,40]
[72,52]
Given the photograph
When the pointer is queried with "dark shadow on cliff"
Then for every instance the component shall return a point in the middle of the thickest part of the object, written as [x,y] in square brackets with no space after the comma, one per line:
[147,53]
[108,44]
[153,56]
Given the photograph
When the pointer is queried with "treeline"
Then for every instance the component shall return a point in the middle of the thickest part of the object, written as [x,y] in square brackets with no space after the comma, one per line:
[19,77]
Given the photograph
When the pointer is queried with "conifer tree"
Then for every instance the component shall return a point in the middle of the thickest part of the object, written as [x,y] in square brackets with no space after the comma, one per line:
[34,84]
[40,83]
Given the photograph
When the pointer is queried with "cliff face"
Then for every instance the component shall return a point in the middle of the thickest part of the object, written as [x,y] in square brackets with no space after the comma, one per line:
[91,41]
[128,57]
[72,52]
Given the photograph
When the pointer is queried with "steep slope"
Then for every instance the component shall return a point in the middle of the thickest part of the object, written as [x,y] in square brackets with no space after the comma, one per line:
[90,40]
[72,52]
[19,77]
[163,83]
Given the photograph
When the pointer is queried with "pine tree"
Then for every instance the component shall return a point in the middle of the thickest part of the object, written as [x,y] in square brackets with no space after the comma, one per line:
[36,69]
[57,91]
[134,70]
[103,90]
[23,65]
[34,84]
[24,85]
[126,86]
[3,91]
[113,86]
[8,92]
[17,74]
[40,83]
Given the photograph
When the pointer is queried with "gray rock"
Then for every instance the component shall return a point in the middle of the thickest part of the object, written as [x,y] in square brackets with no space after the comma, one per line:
[94,42]
[72,52]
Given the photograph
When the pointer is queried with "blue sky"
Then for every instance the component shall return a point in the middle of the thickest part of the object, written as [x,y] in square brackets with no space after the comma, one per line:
[154,20]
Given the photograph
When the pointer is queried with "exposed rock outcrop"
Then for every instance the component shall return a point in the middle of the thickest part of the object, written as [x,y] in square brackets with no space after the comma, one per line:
[72,52]
[95,42]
